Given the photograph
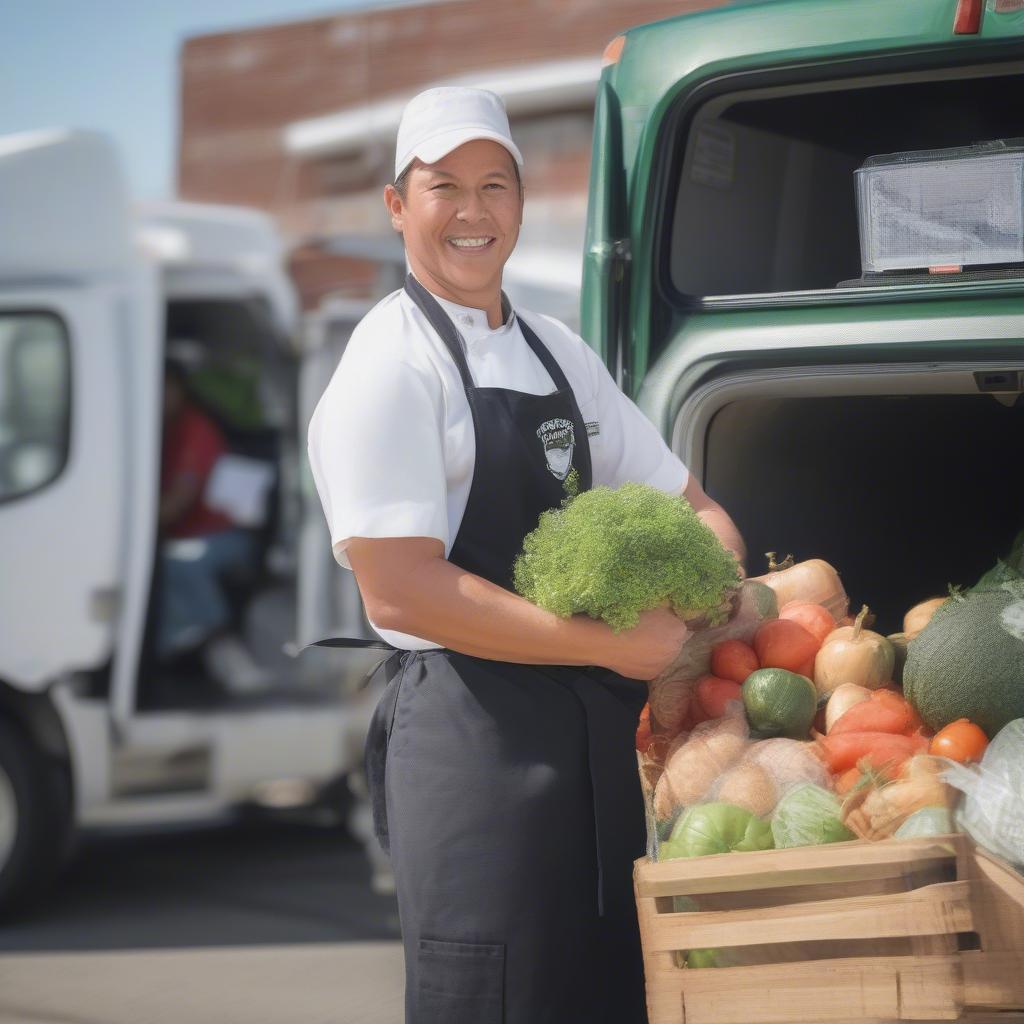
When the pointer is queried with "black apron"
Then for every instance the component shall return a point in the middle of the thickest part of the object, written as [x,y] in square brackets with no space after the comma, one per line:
[508,794]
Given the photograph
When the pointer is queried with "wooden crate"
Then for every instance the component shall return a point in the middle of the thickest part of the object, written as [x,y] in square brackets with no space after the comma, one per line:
[919,929]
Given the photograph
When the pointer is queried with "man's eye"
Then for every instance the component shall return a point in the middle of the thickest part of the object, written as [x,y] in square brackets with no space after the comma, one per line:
[495,184]
[442,184]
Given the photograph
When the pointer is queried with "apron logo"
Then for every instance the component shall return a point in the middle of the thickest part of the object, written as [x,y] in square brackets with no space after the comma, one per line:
[559,441]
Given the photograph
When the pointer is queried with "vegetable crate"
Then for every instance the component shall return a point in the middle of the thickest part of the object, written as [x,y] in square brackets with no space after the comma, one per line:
[922,929]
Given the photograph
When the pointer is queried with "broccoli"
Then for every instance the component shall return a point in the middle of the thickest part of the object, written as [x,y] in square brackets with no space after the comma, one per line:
[614,553]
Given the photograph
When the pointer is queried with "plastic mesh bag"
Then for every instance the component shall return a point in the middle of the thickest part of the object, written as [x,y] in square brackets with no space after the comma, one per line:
[992,811]
[672,692]
[693,764]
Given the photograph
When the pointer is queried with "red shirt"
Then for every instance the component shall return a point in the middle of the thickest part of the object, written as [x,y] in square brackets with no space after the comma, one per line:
[192,444]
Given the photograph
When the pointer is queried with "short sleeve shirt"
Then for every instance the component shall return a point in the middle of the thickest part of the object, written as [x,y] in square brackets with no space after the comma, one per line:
[391,443]
[192,444]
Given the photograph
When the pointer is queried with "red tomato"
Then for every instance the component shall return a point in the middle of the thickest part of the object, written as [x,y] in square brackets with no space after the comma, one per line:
[818,621]
[713,694]
[780,643]
[733,659]
[643,729]
[961,741]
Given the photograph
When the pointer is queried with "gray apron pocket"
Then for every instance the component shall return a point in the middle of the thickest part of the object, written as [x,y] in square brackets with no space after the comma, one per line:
[460,982]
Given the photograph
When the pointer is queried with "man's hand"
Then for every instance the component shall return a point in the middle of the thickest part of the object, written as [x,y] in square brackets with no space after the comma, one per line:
[646,650]
[717,519]
[178,499]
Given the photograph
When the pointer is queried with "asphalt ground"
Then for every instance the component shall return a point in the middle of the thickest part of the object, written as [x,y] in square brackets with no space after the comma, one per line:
[261,923]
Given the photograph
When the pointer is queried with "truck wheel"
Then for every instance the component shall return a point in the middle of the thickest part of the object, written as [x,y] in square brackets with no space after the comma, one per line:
[35,818]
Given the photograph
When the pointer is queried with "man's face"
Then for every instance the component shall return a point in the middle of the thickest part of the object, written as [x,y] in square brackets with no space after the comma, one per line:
[460,218]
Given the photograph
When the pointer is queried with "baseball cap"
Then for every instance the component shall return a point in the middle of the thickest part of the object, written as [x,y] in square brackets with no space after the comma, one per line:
[439,120]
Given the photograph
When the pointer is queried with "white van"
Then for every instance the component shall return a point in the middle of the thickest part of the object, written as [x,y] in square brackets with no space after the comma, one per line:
[94,730]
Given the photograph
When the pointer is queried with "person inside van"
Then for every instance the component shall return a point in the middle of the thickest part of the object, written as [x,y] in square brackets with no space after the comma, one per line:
[199,544]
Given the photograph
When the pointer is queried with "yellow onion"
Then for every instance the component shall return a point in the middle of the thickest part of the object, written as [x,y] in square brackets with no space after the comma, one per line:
[920,615]
[813,581]
[856,655]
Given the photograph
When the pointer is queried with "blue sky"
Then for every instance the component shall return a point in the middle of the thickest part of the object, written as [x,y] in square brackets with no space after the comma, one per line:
[113,64]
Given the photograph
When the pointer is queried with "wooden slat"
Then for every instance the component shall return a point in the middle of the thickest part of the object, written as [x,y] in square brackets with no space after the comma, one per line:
[752,899]
[993,980]
[831,903]
[932,989]
[767,869]
[999,905]
[825,991]
[935,910]
[662,978]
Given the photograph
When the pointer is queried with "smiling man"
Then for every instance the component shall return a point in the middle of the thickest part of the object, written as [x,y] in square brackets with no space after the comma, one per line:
[500,759]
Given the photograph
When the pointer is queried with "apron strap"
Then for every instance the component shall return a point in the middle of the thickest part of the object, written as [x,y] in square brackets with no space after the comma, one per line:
[547,359]
[349,641]
[446,330]
[442,323]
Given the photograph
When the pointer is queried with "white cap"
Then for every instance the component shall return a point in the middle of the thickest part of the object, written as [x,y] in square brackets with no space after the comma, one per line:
[439,120]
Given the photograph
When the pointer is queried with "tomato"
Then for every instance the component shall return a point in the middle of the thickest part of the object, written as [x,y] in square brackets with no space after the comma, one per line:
[643,729]
[733,659]
[961,741]
[714,694]
[816,620]
[781,643]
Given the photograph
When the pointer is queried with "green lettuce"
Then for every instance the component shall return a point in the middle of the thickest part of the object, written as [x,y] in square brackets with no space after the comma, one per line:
[808,816]
[614,553]
[716,828]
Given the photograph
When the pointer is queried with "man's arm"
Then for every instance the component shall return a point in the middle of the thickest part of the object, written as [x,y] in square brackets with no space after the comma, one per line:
[409,586]
[179,497]
[716,518]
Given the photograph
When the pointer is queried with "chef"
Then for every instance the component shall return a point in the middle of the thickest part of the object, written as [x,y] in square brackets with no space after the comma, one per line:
[500,760]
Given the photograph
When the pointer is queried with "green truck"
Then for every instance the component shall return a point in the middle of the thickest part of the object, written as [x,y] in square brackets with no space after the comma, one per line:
[871,418]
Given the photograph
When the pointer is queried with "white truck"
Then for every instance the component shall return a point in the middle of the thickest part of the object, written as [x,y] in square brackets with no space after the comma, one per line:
[94,731]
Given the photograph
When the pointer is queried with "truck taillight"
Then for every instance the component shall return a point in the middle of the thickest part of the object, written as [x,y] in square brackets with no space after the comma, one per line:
[967,20]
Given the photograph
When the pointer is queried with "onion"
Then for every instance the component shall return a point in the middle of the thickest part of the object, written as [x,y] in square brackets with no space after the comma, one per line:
[843,698]
[693,763]
[853,654]
[920,615]
[748,786]
[813,581]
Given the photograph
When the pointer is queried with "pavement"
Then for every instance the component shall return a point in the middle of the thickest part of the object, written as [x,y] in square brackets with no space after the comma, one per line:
[262,924]
[331,983]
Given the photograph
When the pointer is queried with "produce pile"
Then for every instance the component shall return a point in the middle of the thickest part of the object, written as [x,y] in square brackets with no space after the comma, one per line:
[784,721]
[816,729]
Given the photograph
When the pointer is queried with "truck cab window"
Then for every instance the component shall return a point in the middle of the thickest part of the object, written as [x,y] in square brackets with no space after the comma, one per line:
[35,397]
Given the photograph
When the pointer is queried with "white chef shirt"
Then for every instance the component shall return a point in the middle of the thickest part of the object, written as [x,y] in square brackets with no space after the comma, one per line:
[391,441]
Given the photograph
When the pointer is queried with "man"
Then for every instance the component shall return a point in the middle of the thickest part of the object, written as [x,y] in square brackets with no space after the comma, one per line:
[201,543]
[501,760]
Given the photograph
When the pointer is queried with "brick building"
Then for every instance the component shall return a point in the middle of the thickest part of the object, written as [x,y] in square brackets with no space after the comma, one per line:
[299,119]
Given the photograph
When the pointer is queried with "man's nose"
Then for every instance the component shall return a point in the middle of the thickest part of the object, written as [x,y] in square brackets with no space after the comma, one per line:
[472,208]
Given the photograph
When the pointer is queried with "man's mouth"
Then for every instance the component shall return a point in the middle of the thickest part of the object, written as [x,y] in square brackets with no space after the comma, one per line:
[469,245]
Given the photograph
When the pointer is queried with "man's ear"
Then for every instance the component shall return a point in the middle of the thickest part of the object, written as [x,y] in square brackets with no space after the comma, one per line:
[395,207]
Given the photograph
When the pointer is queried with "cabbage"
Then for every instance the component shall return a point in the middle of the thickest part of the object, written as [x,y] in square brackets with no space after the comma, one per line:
[992,812]
[928,821]
[716,828]
[702,958]
[808,816]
